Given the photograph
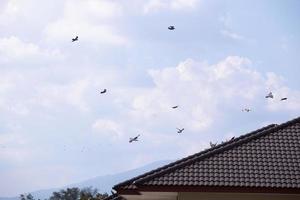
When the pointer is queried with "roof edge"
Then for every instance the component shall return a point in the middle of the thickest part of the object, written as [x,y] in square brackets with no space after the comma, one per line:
[138,180]
[235,189]
[212,151]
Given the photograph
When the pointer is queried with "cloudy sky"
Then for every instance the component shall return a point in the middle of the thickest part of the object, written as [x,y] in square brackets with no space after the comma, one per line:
[224,56]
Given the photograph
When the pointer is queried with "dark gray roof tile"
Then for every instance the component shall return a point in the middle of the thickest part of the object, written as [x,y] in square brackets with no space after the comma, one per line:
[268,157]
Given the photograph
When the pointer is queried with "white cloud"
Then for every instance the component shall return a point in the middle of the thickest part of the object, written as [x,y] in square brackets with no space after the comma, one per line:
[12,49]
[13,148]
[200,91]
[285,43]
[15,154]
[108,129]
[226,20]
[12,9]
[21,16]
[93,21]
[156,5]
[276,84]
[23,93]
[232,35]
[181,4]
[6,139]
[53,95]
[205,93]
[9,102]
[228,29]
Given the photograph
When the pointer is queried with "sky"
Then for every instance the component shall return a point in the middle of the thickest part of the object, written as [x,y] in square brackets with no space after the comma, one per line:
[223,56]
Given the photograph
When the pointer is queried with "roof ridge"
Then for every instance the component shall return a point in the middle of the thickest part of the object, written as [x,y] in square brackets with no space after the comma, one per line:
[207,152]
[190,156]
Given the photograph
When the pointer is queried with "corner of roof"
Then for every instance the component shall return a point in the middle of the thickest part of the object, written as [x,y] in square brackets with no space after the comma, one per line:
[207,152]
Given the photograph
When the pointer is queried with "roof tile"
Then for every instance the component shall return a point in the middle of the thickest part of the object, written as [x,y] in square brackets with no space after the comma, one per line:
[268,157]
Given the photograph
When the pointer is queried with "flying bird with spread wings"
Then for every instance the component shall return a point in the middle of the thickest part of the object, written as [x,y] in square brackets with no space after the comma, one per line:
[179,130]
[270,95]
[75,39]
[174,107]
[103,91]
[171,28]
[134,139]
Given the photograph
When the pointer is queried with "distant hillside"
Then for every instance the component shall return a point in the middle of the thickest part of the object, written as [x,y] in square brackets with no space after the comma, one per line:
[102,183]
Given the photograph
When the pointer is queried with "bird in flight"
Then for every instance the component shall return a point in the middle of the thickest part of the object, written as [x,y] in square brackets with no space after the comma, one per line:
[246,110]
[135,139]
[75,39]
[103,91]
[180,130]
[213,144]
[171,28]
[283,99]
[175,107]
[270,95]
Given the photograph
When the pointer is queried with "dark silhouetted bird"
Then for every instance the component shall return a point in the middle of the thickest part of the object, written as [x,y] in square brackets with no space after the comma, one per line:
[135,139]
[283,99]
[246,110]
[180,130]
[175,107]
[213,144]
[270,95]
[75,39]
[103,91]
[171,28]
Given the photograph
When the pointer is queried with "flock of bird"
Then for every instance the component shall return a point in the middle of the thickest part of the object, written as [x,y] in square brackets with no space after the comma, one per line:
[271,96]
[180,130]
[135,139]
[268,96]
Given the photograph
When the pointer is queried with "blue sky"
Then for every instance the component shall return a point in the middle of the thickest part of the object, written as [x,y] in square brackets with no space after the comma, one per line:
[224,56]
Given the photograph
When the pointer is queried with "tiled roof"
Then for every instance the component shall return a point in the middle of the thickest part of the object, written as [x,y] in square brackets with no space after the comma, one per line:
[268,157]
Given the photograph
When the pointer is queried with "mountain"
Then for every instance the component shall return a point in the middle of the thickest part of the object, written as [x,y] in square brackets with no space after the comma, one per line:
[102,183]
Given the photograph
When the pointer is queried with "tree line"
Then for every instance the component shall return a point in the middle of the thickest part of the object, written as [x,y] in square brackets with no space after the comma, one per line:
[71,194]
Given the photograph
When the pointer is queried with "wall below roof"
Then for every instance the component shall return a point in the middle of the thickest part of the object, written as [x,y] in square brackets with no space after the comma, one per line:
[153,196]
[235,196]
[210,196]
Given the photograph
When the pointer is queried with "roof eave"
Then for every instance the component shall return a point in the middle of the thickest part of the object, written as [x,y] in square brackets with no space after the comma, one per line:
[222,189]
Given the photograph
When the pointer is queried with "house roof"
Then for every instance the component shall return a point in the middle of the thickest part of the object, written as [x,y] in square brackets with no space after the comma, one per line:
[268,158]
